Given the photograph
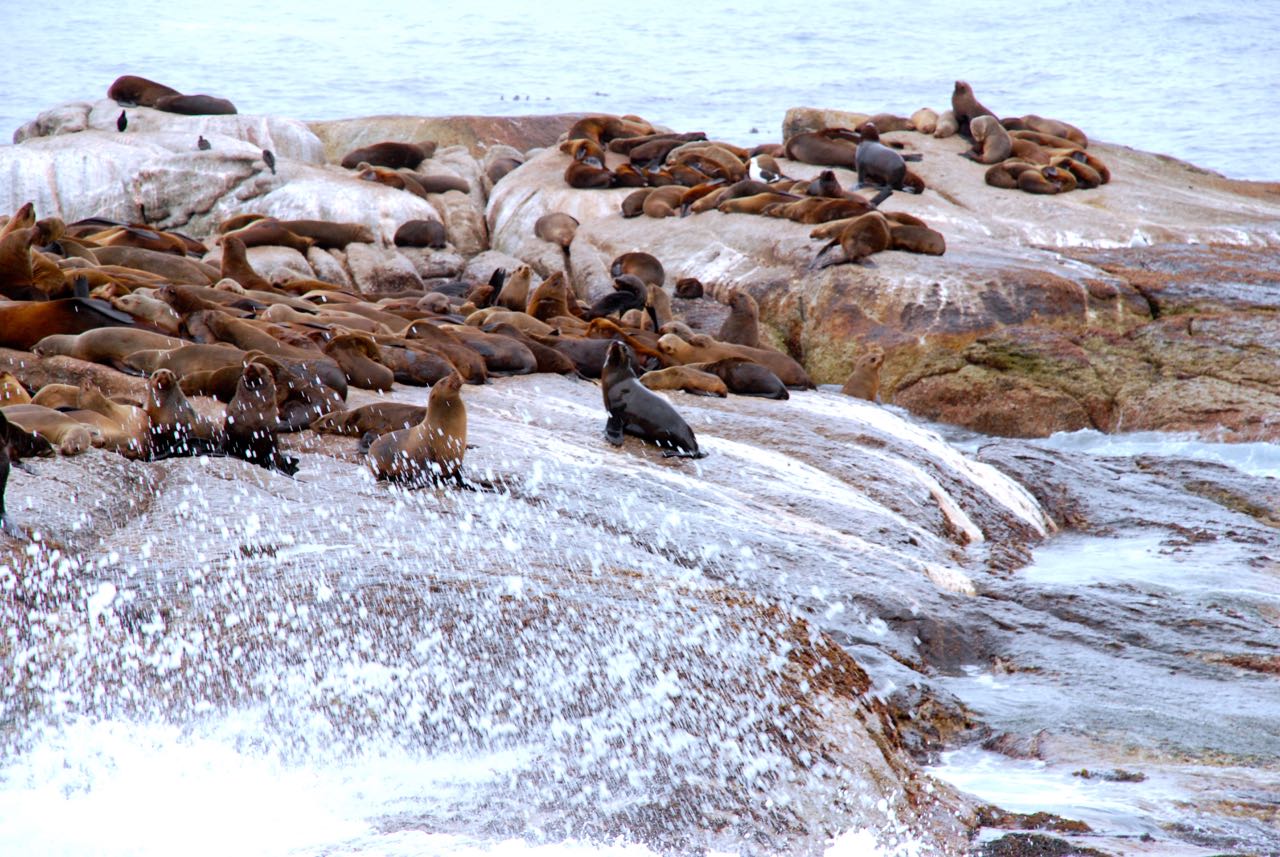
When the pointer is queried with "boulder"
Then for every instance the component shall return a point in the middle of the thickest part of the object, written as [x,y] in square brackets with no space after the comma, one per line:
[476,133]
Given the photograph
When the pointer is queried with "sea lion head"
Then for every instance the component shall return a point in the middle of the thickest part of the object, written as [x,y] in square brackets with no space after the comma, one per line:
[618,359]
[868,131]
[161,385]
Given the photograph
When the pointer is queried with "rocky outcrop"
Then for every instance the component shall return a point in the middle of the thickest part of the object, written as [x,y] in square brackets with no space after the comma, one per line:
[477,133]
[1042,316]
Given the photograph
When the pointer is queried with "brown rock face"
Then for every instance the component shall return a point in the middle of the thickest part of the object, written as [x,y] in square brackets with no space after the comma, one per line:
[477,133]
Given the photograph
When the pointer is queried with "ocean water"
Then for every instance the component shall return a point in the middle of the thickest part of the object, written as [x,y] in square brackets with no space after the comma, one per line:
[1196,80]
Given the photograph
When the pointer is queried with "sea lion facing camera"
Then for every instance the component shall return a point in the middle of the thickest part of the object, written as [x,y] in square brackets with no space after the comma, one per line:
[636,411]
[966,107]
[253,421]
[432,450]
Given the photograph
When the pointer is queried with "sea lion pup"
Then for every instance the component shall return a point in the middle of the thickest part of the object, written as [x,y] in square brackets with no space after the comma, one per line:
[390,154]
[195,105]
[557,227]
[377,419]
[636,411]
[991,142]
[1005,174]
[877,164]
[253,421]
[235,266]
[966,107]
[916,239]
[176,429]
[947,125]
[602,128]
[689,288]
[645,266]
[633,204]
[514,294]
[629,293]
[686,378]
[432,450]
[65,434]
[924,120]
[864,381]
[360,360]
[742,326]
[133,91]
[11,391]
[860,238]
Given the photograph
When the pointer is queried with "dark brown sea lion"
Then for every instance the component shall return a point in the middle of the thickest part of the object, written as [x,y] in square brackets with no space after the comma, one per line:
[689,288]
[390,154]
[916,239]
[587,174]
[746,378]
[636,411]
[878,164]
[557,228]
[860,238]
[548,359]
[966,107]
[138,91]
[15,445]
[270,232]
[502,355]
[330,234]
[176,429]
[1005,174]
[864,380]
[430,451]
[194,105]
[466,360]
[816,148]
[253,422]
[633,203]
[1052,127]
[421,233]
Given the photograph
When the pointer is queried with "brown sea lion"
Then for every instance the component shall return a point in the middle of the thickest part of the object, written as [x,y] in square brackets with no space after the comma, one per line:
[633,203]
[377,419]
[253,422]
[645,266]
[742,326]
[603,128]
[1005,174]
[430,451]
[1051,127]
[864,381]
[665,202]
[1044,180]
[425,335]
[658,305]
[439,183]
[966,107]
[916,239]
[636,411]
[136,91]
[863,236]
[175,427]
[707,350]
[194,105]
[108,346]
[1048,141]
[25,323]
[587,174]
[991,142]
[756,203]
[330,234]
[548,359]
[1086,176]
[685,378]
[153,311]
[557,228]
[947,126]
[235,265]
[11,391]
[65,434]
[824,150]
[514,294]
[188,359]
[360,360]
[268,231]
[124,428]
[390,154]
[689,288]
[551,299]
[502,355]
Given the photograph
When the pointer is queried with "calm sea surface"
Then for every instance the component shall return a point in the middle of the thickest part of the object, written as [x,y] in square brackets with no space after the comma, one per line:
[1200,81]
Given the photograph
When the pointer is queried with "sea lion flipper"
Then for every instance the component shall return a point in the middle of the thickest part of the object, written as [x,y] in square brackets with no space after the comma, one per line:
[914,156]
[613,429]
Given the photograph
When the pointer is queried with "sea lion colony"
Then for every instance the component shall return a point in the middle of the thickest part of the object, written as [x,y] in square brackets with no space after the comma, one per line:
[264,358]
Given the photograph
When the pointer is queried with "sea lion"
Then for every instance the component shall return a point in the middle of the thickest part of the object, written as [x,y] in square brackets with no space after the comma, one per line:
[24,323]
[549,360]
[430,451]
[65,434]
[948,125]
[1005,174]
[514,294]
[138,91]
[966,107]
[658,305]
[430,337]
[924,120]
[253,420]
[756,203]
[645,266]
[551,299]
[689,288]
[194,105]
[633,203]
[360,360]
[153,311]
[877,164]
[1046,140]
[629,292]
[268,231]
[439,183]
[502,355]
[636,411]
[746,378]
[378,419]
[123,428]
[11,391]
[1028,151]
[864,381]
[109,346]
[813,147]
[916,239]
[1086,176]
[557,228]
[1052,127]
[664,202]
[991,142]
[1044,180]
[390,154]
[176,429]
[742,326]
[235,265]
[860,238]
[685,378]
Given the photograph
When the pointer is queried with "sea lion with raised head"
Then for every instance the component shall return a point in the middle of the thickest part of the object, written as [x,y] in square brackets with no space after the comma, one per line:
[633,409]
[253,422]
[176,429]
[966,107]
[864,381]
[432,450]
[742,326]
[135,91]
